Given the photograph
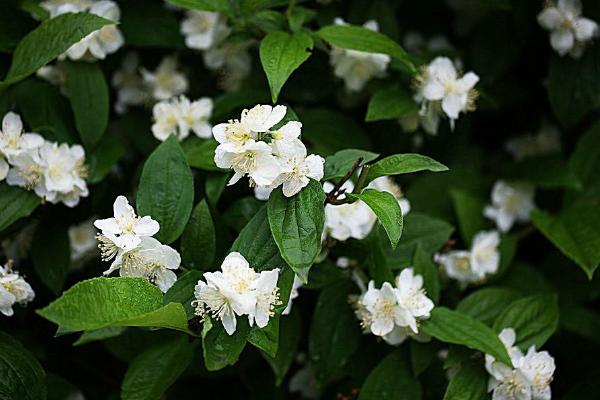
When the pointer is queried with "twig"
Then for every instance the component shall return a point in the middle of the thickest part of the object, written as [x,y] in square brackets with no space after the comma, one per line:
[332,196]
[361,180]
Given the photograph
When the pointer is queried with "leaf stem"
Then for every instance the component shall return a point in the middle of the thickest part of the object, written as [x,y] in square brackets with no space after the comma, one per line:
[332,197]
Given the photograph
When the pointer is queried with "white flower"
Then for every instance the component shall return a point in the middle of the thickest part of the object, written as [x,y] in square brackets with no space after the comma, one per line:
[510,203]
[528,379]
[569,31]
[297,167]
[387,184]
[178,116]
[132,90]
[293,294]
[411,297]
[82,238]
[263,192]
[305,383]
[106,40]
[439,84]
[546,141]
[13,289]
[256,161]
[356,68]
[63,171]
[344,221]
[153,261]
[54,74]
[232,59]
[13,140]
[126,229]
[237,290]
[203,29]
[3,168]
[58,7]
[457,265]
[383,308]
[26,172]
[166,81]
[485,256]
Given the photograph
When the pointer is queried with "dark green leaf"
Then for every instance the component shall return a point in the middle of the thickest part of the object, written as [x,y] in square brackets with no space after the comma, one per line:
[469,213]
[182,291]
[15,203]
[387,209]
[470,383]
[289,339]
[221,349]
[166,190]
[99,334]
[201,154]
[204,5]
[88,93]
[403,164]
[457,328]
[297,224]
[534,319]
[581,321]
[487,303]
[49,40]
[103,158]
[391,103]
[198,242]
[338,164]
[51,255]
[424,266]
[150,26]
[281,54]
[22,375]
[585,161]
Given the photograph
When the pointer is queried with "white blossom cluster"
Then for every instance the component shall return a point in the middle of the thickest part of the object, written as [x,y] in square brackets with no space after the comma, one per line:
[269,157]
[56,173]
[13,289]
[237,290]
[528,379]
[393,312]
[98,44]
[208,32]
[179,116]
[474,265]
[356,220]
[126,240]
[511,202]
[442,91]
[356,68]
[570,32]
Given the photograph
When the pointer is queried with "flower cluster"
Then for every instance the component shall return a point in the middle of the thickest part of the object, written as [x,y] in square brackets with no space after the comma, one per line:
[570,32]
[54,172]
[269,156]
[237,290]
[207,31]
[127,241]
[98,44]
[474,265]
[393,312]
[356,68]
[528,379]
[356,220]
[511,202]
[440,90]
[13,289]
[179,116]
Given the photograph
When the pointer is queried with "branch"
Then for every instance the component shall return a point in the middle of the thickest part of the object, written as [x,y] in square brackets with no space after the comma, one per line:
[332,196]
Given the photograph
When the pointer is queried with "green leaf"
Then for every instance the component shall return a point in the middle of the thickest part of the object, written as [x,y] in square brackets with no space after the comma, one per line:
[572,98]
[403,164]
[182,291]
[581,321]
[548,172]
[22,375]
[51,255]
[99,334]
[214,186]
[241,211]
[390,103]
[103,158]
[487,303]
[15,203]
[198,242]
[534,319]
[104,302]
[222,6]
[424,266]
[387,209]
[201,154]
[269,21]
[378,266]
[338,164]
[334,333]
[469,213]
[14,24]
[289,339]
[255,242]
[575,231]
[297,224]
[49,40]
[281,53]
[152,372]
[88,93]
[221,349]
[166,190]
[585,161]
[470,383]
[151,26]
[363,39]
[457,328]
[392,379]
